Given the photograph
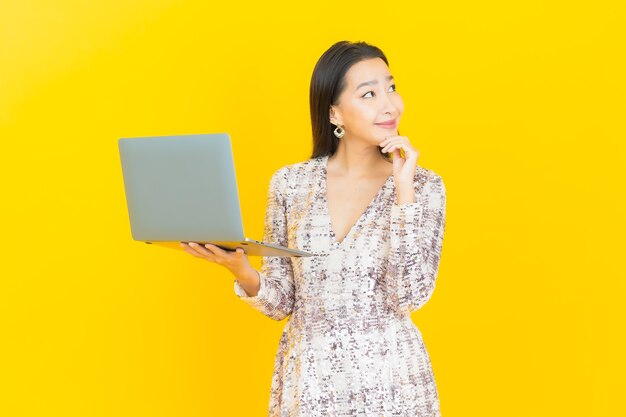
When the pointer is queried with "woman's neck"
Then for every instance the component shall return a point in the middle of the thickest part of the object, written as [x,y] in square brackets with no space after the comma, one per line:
[357,161]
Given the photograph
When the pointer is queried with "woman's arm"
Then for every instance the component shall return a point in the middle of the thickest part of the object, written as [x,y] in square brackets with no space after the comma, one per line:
[415,248]
[250,281]
[273,294]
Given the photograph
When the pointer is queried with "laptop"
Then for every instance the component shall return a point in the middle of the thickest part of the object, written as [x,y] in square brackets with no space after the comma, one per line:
[183,189]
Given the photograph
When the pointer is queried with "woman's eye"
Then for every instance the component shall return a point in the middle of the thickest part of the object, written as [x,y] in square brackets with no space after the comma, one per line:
[391,86]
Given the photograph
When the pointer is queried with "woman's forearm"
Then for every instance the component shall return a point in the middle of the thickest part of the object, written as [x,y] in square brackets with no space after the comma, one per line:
[249,280]
[406,194]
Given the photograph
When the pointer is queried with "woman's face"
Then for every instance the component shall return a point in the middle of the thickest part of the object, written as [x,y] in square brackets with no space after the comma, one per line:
[369,98]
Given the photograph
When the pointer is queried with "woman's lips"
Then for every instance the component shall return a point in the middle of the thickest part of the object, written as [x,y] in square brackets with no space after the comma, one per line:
[388,125]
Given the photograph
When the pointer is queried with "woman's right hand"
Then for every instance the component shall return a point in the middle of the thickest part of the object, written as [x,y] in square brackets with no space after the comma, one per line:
[235,261]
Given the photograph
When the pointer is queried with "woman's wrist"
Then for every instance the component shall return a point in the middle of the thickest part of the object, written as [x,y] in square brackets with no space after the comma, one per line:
[405,195]
[250,281]
[248,276]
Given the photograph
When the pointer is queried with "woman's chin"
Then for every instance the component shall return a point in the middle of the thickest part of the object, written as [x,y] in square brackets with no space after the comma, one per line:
[391,132]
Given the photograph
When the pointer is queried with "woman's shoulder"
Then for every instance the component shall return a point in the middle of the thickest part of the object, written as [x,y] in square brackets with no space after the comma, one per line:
[425,176]
[298,168]
[296,173]
[428,182]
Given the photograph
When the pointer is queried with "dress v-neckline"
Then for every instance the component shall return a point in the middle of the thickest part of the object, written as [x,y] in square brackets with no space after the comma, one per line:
[352,230]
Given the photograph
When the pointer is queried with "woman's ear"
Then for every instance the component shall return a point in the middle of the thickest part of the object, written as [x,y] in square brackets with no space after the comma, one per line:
[334,119]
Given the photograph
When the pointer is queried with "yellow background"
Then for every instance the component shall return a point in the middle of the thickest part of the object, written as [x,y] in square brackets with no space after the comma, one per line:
[518,105]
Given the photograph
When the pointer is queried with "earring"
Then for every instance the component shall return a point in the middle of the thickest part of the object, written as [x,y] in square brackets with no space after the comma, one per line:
[339,131]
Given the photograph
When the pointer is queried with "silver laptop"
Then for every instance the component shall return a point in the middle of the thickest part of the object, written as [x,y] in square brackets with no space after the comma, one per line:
[183,189]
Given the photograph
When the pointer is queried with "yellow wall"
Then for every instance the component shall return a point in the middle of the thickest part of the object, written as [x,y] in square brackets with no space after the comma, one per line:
[518,105]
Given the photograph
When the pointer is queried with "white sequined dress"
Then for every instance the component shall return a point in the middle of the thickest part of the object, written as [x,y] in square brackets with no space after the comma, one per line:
[349,347]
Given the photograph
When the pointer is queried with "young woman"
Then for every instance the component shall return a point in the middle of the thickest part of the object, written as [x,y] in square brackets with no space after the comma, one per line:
[374,220]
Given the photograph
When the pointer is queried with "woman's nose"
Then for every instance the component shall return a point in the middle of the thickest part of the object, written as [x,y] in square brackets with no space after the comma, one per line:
[388,104]
[389,107]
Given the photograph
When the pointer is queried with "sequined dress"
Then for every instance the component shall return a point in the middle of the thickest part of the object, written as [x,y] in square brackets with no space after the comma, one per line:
[349,347]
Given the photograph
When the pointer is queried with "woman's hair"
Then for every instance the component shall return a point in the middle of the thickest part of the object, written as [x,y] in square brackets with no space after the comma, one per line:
[327,84]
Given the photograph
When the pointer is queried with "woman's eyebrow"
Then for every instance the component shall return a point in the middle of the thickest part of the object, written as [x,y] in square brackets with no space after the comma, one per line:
[372,82]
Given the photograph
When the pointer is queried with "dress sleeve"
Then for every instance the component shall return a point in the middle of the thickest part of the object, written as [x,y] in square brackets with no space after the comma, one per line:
[415,246]
[276,295]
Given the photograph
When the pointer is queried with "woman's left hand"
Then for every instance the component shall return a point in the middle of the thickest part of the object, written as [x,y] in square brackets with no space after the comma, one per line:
[403,167]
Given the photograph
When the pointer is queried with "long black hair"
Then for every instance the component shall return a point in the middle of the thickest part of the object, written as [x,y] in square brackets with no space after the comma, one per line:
[327,84]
